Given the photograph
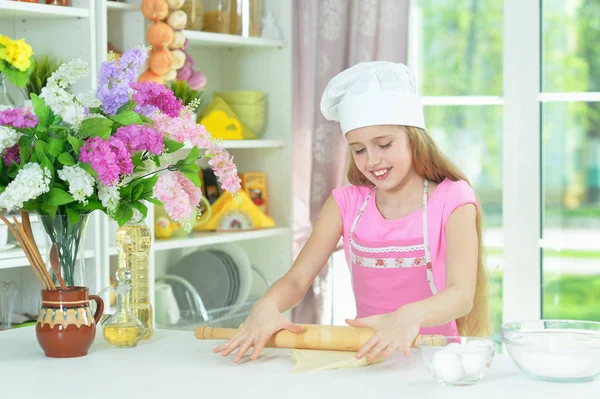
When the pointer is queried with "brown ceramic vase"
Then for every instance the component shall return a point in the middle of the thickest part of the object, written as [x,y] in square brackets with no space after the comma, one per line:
[65,325]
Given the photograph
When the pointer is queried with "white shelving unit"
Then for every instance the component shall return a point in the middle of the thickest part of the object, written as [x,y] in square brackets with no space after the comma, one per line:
[230,62]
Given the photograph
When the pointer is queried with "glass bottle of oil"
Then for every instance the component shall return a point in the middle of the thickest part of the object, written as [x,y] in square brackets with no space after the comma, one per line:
[123,329]
[133,241]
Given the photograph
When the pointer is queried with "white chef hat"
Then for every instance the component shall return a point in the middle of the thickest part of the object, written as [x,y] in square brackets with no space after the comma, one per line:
[373,93]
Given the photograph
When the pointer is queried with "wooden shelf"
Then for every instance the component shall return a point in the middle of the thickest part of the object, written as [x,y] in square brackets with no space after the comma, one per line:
[209,238]
[116,6]
[250,144]
[16,258]
[209,39]
[16,9]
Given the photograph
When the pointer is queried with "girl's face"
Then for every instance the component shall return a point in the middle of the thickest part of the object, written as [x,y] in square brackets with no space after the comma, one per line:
[382,154]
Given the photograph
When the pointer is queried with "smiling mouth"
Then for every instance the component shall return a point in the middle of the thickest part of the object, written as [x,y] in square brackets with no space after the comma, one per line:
[381,173]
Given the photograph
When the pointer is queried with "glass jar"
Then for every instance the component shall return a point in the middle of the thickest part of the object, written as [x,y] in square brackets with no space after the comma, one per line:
[245,17]
[195,16]
[217,16]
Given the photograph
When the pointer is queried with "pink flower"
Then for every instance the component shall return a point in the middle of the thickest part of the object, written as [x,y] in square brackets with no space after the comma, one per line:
[182,129]
[178,194]
[140,138]
[225,169]
[399,262]
[379,262]
[110,159]
[11,155]
[19,118]
[151,95]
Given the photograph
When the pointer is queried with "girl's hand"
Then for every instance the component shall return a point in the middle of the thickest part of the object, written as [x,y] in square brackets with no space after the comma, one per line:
[264,320]
[394,331]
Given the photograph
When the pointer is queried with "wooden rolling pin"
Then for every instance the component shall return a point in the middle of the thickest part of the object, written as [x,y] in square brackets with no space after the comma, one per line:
[340,338]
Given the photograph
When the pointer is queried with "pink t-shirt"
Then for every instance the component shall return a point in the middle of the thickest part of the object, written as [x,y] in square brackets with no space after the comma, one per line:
[447,196]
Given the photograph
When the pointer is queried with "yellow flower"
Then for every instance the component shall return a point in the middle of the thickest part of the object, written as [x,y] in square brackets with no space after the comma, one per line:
[16,52]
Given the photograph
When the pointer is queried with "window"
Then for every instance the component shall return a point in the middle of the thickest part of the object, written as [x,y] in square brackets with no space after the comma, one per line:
[570,142]
[456,52]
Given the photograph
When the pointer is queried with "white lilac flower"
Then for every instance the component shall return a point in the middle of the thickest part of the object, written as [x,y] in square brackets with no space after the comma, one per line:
[30,182]
[81,183]
[69,73]
[8,137]
[110,197]
[64,104]
[89,99]
[90,116]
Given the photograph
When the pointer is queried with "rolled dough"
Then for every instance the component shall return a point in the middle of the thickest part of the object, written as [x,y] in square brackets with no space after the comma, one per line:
[309,360]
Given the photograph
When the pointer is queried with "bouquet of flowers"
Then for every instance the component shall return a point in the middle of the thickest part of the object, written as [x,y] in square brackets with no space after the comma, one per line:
[109,150]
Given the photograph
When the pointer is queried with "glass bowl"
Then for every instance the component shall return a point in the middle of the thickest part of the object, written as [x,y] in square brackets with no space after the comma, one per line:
[554,350]
[457,360]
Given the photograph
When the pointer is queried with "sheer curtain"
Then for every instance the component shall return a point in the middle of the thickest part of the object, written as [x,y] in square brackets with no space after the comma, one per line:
[330,36]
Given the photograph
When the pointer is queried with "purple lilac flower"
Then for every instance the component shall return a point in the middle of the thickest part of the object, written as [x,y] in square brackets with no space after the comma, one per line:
[11,155]
[114,78]
[109,158]
[132,60]
[140,138]
[19,118]
[113,98]
[156,95]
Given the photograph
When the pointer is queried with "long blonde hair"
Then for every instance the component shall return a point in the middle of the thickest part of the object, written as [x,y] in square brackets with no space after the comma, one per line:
[430,163]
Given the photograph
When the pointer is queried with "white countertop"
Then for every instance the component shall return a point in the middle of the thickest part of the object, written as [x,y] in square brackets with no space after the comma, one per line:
[175,363]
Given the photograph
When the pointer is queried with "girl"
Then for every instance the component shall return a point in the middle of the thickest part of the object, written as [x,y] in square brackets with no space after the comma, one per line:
[410,221]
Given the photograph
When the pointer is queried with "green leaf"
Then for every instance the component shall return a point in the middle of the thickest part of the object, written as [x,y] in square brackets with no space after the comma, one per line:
[55,146]
[58,197]
[190,158]
[86,166]
[73,215]
[96,127]
[66,159]
[42,111]
[45,163]
[145,119]
[172,145]
[125,191]
[137,159]
[127,118]
[17,77]
[155,201]
[25,143]
[124,213]
[140,207]
[193,168]
[149,183]
[92,205]
[49,209]
[193,177]
[128,106]
[137,192]
[75,143]
[40,150]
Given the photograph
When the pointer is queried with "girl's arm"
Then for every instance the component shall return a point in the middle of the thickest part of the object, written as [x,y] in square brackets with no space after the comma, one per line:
[397,330]
[291,288]
[265,317]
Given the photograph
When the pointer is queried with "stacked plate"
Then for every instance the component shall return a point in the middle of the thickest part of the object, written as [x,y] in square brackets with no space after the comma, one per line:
[221,275]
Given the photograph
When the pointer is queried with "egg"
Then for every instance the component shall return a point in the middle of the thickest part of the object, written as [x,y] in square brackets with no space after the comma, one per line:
[454,347]
[474,362]
[448,366]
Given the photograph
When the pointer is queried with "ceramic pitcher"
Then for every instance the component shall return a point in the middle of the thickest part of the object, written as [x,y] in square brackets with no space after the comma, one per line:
[65,325]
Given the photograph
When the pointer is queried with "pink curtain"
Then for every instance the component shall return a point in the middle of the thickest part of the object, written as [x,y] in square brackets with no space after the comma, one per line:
[330,36]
